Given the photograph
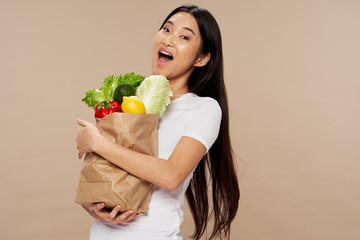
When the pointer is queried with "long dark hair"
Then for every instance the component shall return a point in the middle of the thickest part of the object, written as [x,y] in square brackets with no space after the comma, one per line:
[209,81]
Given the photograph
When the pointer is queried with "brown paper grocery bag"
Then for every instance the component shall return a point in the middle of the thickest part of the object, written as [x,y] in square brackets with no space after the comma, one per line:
[102,181]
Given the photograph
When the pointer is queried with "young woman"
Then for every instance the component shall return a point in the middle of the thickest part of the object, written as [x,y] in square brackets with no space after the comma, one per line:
[193,137]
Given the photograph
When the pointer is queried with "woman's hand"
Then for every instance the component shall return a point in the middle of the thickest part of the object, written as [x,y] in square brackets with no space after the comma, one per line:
[87,138]
[98,211]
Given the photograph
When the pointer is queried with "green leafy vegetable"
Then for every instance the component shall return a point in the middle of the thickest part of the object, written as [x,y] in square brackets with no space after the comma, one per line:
[155,93]
[106,92]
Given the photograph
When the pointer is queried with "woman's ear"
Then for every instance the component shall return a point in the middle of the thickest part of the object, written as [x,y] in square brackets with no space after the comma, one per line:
[202,60]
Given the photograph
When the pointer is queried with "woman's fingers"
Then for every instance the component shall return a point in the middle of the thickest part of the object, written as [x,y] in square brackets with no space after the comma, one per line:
[87,137]
[115,211]
[96,210]
[82,123]
[112,217]
[126,216]
[100,206]
[132,216]
[80,154]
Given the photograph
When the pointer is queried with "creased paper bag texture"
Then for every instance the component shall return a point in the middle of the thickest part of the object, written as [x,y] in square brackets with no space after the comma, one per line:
[102,181]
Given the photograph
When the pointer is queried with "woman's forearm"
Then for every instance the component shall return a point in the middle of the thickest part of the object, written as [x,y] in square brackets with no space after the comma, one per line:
[168,174]
[149,168]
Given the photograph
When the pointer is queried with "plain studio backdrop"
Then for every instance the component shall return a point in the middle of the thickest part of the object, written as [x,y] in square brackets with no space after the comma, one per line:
[292,69]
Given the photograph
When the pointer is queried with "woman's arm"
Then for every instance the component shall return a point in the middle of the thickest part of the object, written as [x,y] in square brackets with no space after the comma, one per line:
[168,174]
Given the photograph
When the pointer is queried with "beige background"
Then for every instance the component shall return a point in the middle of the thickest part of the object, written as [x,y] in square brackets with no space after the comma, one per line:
[292,69]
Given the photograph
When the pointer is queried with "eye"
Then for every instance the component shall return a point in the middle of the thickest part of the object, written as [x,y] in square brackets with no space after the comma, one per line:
[166,29]
[184,37]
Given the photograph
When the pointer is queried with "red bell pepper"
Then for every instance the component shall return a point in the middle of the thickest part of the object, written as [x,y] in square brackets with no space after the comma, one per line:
[106,108]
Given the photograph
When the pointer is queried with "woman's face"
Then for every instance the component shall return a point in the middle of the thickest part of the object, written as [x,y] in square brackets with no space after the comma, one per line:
[176,47]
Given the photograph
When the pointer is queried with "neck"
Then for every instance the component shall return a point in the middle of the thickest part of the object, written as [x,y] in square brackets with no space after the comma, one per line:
[178,88]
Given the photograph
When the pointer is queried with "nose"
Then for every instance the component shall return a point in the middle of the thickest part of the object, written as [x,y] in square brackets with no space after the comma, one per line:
[168,41]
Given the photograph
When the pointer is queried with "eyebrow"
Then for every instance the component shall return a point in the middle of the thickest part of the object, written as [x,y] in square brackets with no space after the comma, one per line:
[186,28]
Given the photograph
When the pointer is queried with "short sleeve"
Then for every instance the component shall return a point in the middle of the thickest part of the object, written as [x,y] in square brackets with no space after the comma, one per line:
[204,122]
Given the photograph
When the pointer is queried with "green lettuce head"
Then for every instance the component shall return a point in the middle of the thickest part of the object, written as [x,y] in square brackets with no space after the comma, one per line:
[155,93]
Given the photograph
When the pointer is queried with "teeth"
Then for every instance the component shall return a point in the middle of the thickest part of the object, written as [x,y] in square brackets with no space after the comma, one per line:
[166,53]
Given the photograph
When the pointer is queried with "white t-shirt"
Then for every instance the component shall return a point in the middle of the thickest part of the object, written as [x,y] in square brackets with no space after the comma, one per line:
[188,115]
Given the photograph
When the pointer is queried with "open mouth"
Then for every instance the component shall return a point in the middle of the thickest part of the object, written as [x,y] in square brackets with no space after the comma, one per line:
[165,57]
